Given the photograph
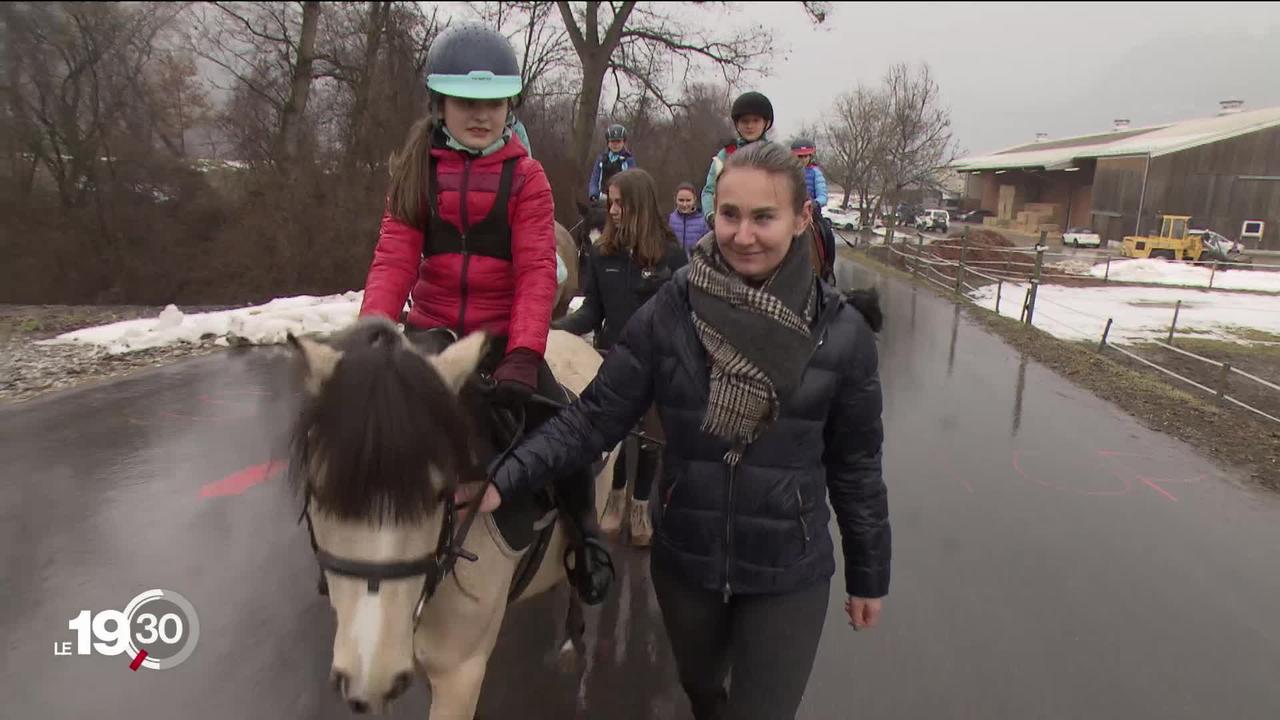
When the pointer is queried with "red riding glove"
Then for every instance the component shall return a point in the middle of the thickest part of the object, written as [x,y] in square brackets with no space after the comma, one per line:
[517,374]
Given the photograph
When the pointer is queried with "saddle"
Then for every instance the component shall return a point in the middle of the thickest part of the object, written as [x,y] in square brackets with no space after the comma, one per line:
[526,523]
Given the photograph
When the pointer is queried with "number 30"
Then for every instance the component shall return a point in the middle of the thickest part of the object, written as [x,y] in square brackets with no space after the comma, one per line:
[155,629]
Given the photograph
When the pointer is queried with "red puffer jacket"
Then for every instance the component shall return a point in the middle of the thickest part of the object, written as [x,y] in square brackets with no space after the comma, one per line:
[475,291]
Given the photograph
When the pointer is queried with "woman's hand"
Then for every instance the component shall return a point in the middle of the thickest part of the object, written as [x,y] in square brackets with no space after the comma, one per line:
[466,494]
[863,612]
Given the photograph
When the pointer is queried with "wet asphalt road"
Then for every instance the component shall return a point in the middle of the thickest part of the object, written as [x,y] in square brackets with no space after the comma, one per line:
[1053,559]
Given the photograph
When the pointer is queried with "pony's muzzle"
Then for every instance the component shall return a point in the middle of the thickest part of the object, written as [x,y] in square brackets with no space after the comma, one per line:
[358,705]
[401,685]
[340,682]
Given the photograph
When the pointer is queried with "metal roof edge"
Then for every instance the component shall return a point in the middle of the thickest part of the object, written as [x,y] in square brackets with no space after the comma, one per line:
[1257,127]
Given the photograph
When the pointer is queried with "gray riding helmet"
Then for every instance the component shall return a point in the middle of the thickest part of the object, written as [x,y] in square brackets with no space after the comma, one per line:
[471,60]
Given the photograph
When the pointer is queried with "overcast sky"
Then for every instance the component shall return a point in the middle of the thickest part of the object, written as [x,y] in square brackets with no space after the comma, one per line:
[1010,70]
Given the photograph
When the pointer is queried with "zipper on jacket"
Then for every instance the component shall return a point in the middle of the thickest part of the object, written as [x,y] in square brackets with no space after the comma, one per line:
[466,256]
[666,501]
[820,328]
[800,513]
[462,296]
[731,460]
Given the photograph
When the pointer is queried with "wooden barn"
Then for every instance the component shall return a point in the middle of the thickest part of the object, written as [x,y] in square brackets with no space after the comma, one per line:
[1224,171]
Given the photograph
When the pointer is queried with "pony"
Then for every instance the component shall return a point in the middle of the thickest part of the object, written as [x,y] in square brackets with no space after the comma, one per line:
[385,434]
[567,250]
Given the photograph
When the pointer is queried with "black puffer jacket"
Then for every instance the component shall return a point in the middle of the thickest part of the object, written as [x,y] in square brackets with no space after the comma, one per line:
[762,527]
[615,287]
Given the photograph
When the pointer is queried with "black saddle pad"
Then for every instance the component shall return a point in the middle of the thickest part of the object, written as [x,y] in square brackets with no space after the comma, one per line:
[516,520]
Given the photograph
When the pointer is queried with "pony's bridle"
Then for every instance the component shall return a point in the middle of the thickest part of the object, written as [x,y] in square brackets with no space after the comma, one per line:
[439,564]
[434,567]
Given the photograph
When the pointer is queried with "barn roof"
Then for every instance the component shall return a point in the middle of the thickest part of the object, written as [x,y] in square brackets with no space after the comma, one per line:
[1154,141]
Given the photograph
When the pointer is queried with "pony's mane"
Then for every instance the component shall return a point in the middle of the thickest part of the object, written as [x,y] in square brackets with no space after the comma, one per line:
[366,445]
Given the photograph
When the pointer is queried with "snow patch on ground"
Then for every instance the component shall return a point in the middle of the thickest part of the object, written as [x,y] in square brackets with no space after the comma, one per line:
[1161,272]
[264,324]
[1139,313]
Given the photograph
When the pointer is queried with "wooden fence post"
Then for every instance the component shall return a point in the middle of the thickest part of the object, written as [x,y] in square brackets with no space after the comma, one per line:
[1174,325]
[1035,286]
[1222,381]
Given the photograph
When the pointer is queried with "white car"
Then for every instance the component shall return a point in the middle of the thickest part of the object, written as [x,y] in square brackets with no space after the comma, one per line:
[934,220]
[841,219]
[1081,237]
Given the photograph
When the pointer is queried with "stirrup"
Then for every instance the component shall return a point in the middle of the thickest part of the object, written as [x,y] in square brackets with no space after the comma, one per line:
[590,576]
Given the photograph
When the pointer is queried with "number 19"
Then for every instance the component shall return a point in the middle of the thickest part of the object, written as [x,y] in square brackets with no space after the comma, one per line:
[113,642]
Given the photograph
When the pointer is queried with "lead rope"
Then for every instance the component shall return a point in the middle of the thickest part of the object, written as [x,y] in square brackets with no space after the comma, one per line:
[454,550]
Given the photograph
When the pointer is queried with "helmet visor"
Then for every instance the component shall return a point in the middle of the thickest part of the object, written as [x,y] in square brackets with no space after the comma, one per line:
[476,85]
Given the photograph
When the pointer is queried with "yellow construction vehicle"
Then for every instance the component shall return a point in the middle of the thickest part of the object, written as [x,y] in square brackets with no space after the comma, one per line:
[1173,243]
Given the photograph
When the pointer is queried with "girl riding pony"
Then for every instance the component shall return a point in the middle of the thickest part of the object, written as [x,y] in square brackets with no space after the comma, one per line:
[468,236]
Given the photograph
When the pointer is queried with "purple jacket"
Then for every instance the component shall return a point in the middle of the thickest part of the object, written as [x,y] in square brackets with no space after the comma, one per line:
[689,229]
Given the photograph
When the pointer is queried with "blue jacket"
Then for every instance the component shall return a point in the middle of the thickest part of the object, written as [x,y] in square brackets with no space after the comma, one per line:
[688,229]
[713,173]
[523,134]
[608,165]
[816,182]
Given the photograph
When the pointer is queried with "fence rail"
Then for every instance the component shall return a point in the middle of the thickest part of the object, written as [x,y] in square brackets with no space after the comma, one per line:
[927,266]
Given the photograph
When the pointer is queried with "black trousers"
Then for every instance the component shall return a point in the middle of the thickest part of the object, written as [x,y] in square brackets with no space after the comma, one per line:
[766,642]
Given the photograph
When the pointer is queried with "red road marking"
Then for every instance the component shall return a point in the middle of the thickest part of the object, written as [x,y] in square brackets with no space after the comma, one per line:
[1126,476]
[137,662]
[1158,489]
[1153,484]
[1124,489]
[238,482]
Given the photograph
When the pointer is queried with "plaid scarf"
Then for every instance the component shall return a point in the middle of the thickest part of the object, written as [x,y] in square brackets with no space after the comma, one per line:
[757,338]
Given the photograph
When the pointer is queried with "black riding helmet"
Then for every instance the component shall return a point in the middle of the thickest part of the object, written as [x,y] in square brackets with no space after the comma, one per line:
[753,103]
[615,132]
[471,60]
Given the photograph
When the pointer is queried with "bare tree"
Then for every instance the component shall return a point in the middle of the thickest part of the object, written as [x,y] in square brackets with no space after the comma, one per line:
[856,137]
[918,140]
[643,43]
[535,30]
[373,54]
[73,85]
[177,101]
[269,48]
[817,11]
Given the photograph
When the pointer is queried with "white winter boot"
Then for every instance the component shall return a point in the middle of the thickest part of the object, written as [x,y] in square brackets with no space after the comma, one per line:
[614,508]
